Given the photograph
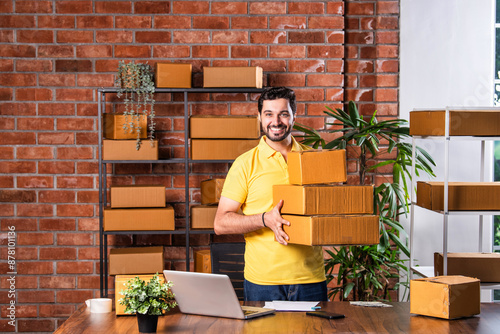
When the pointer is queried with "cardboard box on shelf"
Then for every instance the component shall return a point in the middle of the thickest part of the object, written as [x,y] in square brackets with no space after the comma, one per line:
[170,75]
[462,123]
[113,126]
[446,297]
[138,196]
[203,216]
[126,150]
[484,266]
[150,219]
[232,76]
[120,281]
[317,166]
[135,260]
[220,149]
[211,190]
[332,230]
[324,199]
[461,195]
[202,261]
[217,127]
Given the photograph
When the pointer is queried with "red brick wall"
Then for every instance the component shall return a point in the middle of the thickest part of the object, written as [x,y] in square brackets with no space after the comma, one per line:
[55,54]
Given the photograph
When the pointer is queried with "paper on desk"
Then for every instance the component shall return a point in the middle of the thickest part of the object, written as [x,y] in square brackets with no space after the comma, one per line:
[369,304]
[280,305]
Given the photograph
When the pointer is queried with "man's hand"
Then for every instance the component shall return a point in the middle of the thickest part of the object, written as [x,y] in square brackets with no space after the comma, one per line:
[275,222]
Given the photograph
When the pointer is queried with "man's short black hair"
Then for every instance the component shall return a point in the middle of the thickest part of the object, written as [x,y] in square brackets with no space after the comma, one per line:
[274,93]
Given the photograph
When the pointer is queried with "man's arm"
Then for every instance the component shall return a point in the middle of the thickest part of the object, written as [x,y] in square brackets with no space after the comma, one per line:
[229,221]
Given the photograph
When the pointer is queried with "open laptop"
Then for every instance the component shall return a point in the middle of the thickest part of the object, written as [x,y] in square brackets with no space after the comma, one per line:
[209,294]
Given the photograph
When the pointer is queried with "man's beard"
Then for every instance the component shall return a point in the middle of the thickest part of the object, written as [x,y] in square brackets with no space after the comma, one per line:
[267,132]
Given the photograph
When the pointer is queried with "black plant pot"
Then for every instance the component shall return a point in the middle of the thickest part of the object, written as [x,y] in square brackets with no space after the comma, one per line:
[147,323]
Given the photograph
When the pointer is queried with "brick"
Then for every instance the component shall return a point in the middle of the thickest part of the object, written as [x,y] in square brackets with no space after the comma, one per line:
[387,66]
[210,22]
[87,138]
[268,7]
[18,51]
[88,197]
[94,22]
[114,36]
[97,51]
[56,196]
[359,94]
[132,51]
[287,51]
[192,37]
[361,66]
[306,8]
[56,21]
[367,23]
[135,22]
[53,167]
[95,80]
[326,22]
[18,138]
[17,167]
[7,210]
[78,296]
[73,37]
[75,182]
[56,51]
[56,138]
[76,7]
[75,239]
[63,94]
[359,8]
[387,7]
[6,6]
[267,37]
[57,253]
[287,79]
[306,65]
[17,196]
[6,65]
[53,224]
[152,7]
[190,7]
[57,282]
[38,325]
[388,51]
[59,109]
[152,37]
[387,37]
[7,36]
[17,21]
[74,153]
[37,7]
[39,123]
[364,37]
[6,181]
[34,210]
[6,94]
[33,65]
[33,94]
[86,109]
[229,8]
[210,51]
[84,167]
[80,267]
[34,268]
[7,153]
[113,7]
[88,224]
[387,22]
[35,36]
[245,22]
[335,37]
[269,65]
[35,297]
[35,181]
[249,51]
[75,210]
[18,79]
[306,37]
[367,52]
[384,95]
[22,311]
[38,153]
[90,253]
[53,311]
[88,282]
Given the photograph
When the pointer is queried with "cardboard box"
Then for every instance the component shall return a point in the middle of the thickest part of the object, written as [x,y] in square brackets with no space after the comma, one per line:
[483,266]
[462,123]
[169,75]
[202,261]
[211,191]
[220,149]
[203,216]
[120,281]
[446,297]
[151,219]
[231,127]
[232,77]
[332,230]
[135,260]
[138,196]
[113,126]
[461,195]
[324,199]
[126,150]
[317,166]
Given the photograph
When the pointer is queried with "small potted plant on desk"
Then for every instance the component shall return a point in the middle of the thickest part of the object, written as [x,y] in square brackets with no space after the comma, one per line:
[148,301]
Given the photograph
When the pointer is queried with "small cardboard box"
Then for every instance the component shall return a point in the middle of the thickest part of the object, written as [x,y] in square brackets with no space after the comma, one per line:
[120,281]
[484,266]
[462,123]
[211,191]
[220,149]
[232,77]
[169,75]
[218,127]
[113,126]
[446,297]
[203,216]
[135,260]
[332,230]
[317,166]
[202,261]
[138,196]
[126,150]
[324,199]
[461,195]
[151,219]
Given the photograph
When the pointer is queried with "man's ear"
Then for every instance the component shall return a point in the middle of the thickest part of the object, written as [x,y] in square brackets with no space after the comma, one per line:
[258,115]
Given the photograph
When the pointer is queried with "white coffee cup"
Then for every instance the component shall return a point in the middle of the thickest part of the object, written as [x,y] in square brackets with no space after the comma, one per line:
[99,305]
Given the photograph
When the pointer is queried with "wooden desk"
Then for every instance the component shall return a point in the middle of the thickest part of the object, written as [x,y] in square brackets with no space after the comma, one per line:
[396,319]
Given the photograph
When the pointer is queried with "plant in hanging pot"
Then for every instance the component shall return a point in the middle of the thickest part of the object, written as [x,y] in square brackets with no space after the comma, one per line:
[148,301]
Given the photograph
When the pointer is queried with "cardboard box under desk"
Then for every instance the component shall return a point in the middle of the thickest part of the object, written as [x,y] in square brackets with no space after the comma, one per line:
[202,261]
[220,149]
[137,196]
[332,230]
[203,216]
[446,297]
[461,195]
[113,126]
[317,166]
[150,219]
[231,127]
[324,199]
[126,150]
[170,75]
[461,123]
[211,190]
[483,266]
[120,281]
[135,260]
[232,76]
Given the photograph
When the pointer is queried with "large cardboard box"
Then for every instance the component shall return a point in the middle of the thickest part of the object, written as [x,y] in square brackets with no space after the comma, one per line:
[203,216]
[113,126]
[484,266]
[150,219]
[126,150]
[446,297]
[138,196]
[218,127]
[461,195]
[120,281]
[202,261]
[135,260]
[332,230]
[317,166]
[462,123]
[232,77]
[220,149]
[169,75]
[324,199]
[211,191]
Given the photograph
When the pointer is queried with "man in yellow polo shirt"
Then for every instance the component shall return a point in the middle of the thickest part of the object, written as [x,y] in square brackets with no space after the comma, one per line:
[274,270]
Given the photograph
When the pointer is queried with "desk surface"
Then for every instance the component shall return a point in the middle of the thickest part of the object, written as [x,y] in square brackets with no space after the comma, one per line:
[396,319]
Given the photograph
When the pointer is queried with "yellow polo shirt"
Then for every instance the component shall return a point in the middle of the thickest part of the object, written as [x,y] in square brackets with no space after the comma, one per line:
[250,181]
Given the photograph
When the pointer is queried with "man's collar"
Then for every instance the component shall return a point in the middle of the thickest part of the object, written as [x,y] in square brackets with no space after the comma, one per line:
[268,151]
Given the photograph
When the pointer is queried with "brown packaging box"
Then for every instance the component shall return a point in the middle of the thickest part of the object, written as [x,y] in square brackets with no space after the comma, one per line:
[151,219]
[125,150]
[211,191]
[462,123]
[324,199]
[202,261]
[332,230]
[231,127]
[232,77]
[138,196]
[220,149]
[135,260]
[461,195]
[483,266]
[317,166]
[203,216]
[113,126]
[446,297]
[120,281]
[169,75]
